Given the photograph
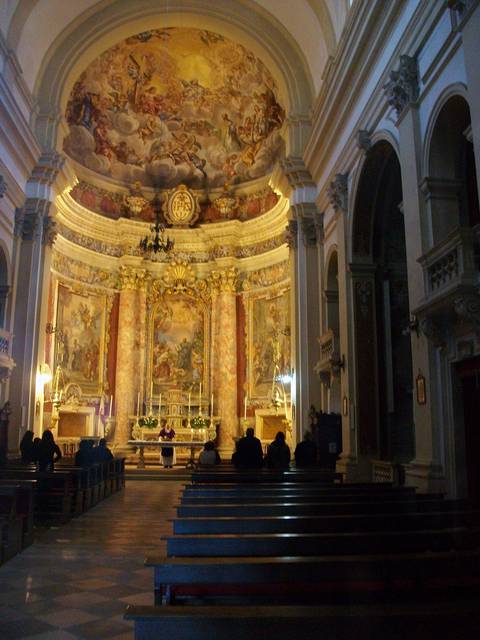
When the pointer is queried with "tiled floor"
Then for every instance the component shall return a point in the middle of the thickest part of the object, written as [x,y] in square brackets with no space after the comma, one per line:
[75,580]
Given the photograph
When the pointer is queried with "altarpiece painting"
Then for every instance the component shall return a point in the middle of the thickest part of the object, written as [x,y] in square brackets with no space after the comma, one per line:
[268,341]
[80,337]
[178,345]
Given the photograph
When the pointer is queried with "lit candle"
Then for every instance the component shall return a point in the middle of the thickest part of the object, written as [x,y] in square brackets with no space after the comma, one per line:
[151,391]
[245,407]
[110,411]
[138,404]
[211,408]
[200,400]
[189,403]
[160,404]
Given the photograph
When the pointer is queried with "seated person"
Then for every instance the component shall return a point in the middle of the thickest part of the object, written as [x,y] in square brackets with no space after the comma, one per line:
[84,455]
[248,454]
[209,457]
[26,447]
[278,453]
[102,452]
[48,452]
[306,452]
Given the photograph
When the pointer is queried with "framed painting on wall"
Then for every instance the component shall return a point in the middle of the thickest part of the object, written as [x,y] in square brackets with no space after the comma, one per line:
[179,343]
[80,337]
[269,352]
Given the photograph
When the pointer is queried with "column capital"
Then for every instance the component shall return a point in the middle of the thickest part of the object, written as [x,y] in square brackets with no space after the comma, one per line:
[296,172]
[49,230]
[402,88]
[30,219]
[47,168]
[128,278]
[291,234]
[224,281]
[364,140]
[338,192]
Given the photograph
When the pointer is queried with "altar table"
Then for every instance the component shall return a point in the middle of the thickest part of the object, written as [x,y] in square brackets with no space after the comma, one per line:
[141,444]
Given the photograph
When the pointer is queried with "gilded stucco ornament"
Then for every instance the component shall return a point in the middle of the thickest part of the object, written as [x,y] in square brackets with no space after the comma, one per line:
[88,274]
[224,281]
[266,277]
[128,278]
[182,208]
[179,279]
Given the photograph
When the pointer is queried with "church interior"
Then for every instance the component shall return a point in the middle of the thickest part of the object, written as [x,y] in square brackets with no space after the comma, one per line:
[235,214]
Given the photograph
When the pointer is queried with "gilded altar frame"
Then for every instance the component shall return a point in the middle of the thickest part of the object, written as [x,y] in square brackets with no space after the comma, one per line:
[83,364]
[260,391]
[160,296]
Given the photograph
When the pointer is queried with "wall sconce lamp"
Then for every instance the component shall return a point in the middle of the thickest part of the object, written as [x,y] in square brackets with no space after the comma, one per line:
[44,376]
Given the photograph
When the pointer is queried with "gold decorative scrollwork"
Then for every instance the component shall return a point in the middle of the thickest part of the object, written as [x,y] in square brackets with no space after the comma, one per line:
[224,281]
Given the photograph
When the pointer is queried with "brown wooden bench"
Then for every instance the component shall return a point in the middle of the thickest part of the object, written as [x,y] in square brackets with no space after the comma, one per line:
[25,507]
[11,523]
[259,508]
[309,544]
[327,523]
[322,579]
[460,621]
[266,475]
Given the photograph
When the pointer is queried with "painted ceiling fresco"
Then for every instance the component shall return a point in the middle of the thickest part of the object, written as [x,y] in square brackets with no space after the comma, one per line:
[173,106]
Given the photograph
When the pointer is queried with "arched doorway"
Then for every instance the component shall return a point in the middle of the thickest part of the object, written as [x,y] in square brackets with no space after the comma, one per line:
[454,217]
[384,382]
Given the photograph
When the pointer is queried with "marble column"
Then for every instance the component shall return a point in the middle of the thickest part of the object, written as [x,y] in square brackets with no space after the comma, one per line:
[126,380]
[224,282]
[143,281]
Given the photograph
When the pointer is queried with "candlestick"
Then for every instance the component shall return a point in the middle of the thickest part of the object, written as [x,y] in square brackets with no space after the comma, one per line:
[110,410]
[189,403]
[138,404]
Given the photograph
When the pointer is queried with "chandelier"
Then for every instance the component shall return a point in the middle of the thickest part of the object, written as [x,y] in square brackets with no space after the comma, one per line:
[156,242]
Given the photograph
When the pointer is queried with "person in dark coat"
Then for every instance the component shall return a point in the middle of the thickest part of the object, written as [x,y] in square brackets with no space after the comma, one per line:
[102,452]
[248,454]
[49,452]
[278,453]
[84,455]
[26,447]
[306,452]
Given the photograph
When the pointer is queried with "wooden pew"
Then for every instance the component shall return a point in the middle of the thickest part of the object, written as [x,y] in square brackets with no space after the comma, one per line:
[323,579]
[266,475]
[11,523]
[297,497]
[393,622]
[258,508]
[327,523]
[54,496]
[309,544]
[25,506]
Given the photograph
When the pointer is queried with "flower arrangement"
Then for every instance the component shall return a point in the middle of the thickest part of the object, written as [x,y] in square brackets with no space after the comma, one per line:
[149,422]
[198,422]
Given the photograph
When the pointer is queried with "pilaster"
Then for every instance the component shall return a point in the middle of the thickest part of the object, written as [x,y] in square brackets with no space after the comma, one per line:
[34,231]
[425,471]
[304,234]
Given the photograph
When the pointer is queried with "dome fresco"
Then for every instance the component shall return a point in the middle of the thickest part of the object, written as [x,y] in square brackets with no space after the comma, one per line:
[176,105]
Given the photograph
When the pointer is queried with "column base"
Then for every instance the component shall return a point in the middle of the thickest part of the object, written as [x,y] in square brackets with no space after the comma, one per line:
[426,476]
[348,465]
